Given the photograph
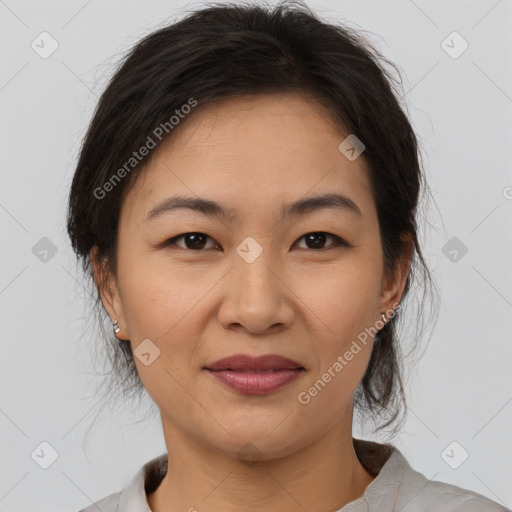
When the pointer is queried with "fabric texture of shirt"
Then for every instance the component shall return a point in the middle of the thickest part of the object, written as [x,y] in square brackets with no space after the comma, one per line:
[396,487]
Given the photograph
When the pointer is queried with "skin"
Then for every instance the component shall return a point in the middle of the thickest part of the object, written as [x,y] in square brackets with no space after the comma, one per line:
[252,154]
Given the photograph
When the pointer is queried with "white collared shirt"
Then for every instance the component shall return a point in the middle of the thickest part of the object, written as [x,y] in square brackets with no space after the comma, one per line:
[396,488]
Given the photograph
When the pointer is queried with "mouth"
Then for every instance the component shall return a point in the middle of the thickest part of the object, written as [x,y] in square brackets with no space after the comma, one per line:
[261,364]
[255,376]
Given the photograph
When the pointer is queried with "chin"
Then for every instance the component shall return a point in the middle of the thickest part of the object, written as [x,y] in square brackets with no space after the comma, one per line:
[252,441]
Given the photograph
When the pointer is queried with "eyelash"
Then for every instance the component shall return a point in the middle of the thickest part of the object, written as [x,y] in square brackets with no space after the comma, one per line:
[337,241]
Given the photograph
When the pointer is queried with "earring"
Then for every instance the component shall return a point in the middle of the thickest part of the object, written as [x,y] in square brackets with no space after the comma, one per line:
[116,327]
[383,316]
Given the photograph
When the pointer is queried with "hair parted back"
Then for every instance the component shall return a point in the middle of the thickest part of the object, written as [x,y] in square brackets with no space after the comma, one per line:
[226,50]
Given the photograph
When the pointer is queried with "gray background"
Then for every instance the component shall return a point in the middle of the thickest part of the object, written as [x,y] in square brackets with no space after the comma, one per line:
[461,108]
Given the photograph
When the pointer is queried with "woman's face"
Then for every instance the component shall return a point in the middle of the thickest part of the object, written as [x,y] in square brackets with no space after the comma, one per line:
[252,283]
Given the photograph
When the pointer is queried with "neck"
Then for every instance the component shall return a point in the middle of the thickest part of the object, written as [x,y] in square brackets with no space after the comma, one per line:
[323,476]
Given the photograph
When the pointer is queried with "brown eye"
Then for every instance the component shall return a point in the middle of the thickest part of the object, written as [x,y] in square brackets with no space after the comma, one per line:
[317,239]
[192,241]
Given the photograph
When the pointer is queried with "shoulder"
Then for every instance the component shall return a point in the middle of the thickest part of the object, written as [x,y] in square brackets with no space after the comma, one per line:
[450,498]
[398,487]
[418,494]
[133,495]
[106,504]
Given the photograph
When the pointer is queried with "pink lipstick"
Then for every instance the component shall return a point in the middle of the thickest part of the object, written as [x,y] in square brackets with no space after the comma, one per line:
[255,375]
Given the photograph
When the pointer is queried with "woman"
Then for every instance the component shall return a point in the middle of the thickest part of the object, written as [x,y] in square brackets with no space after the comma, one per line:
[245,199]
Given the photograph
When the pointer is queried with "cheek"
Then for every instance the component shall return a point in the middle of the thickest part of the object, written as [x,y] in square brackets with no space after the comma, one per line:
[341,303]
[164,306]
[160,296]
[342,297]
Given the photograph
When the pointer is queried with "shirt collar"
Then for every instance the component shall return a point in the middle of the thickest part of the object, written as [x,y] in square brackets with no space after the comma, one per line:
[389,467]
[133,497]
[383,461]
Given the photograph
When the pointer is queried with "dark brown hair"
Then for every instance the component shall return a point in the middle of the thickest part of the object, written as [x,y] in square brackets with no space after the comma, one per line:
[226,50]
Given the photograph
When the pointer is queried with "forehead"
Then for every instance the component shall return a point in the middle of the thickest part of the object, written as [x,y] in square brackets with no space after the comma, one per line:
[252,153]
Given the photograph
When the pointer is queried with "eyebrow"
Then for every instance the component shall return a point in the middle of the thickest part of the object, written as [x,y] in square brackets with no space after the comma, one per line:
[213,209]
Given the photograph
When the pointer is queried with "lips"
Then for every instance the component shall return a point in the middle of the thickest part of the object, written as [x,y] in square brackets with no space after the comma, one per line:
[245,363]
[255,375]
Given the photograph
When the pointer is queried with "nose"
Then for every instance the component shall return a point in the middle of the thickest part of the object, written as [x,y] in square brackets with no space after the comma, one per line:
[256,297]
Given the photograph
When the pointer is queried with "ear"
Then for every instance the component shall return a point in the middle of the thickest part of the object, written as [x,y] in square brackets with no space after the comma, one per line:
[109,292]
[393,283]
